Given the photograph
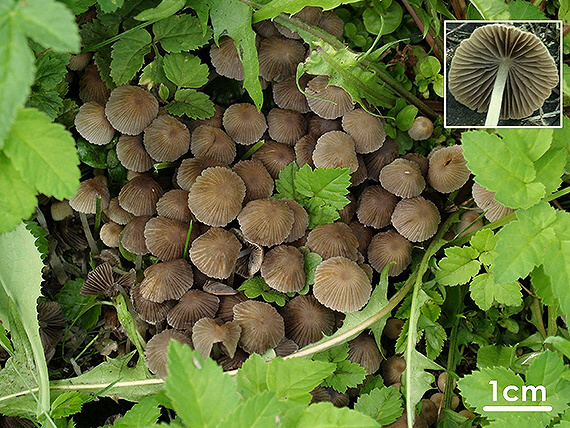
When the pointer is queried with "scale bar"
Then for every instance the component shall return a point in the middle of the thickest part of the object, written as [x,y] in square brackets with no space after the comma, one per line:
[517,408]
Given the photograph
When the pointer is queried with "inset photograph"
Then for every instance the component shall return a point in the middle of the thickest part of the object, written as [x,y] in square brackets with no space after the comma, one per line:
[503,74]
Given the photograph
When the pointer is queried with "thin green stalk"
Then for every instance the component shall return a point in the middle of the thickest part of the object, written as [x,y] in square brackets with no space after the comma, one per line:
[187,241]
[253,149]
[536,311]
[118,36]
[97,216]
[451,360]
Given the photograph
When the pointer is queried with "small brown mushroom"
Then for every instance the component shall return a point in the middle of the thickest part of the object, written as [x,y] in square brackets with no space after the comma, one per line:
[306,320]
[261,326]
[166,139]
[157,348]
[140,195]
[212,143]
[131,109]
[92,124]
[416,219]
[244,123]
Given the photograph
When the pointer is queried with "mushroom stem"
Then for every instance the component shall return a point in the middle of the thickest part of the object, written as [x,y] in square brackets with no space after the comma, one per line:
[88,234]
[497,94]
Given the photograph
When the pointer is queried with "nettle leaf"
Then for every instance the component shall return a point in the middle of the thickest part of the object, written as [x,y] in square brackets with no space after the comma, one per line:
[459,265]
[485,292]
[346,375]
[510,174]
[326,186]
[143,414]
[200,393]
[522,243]
[128,55]
[49,23]
[180,33]
[285,183]
[260,411]
[326,415]
[44,154]
[189,102]
[256,286]
[557,260]
[384,404]
[275,7]
[185,70]
[251,378]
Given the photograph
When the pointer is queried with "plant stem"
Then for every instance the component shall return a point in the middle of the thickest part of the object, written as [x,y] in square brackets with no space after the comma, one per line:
[421,27]
[536,312]
[88,234]
[186,255]
[497,95]
[118,36]
[451,360]
[552,328]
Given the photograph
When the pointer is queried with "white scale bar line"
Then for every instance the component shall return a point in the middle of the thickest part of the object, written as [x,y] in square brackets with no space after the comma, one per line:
[517,408]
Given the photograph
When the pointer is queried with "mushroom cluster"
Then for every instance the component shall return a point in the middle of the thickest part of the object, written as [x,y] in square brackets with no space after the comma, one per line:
[212,221]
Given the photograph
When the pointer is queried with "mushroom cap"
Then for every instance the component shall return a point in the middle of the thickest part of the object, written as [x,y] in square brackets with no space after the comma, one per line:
[190,170]
[319,126]
[393,328]
[227,363]
[206,332]
[166,138]
[375,207]
[225,59]
[100,280]
[361,173]
[215,253]
[261,325]
[304,148]
[279,57]
[333,240]
[109,234]
[85,200]
[244,123]
[416,219]
[332,24]
[193,305]
[218,288]
[140,195]
[266,222]
[266,28]
[335,149]
[469,222]
[227,303]
[392,369]
[132,154]
[329,102]
[258,182]
[157,349]
[151,312]
[283,269]
[306,320]
[403,178]
[341,285]
[131,109]
[286,126]
[213,143]
[347,213]
[366,130]
[448,169]
[377,160]
[421,160]
[91,87]
[364,351]
[216,196]
[300,222]
[132,237]
[166,280]
[117,214]
[51,323]
[363,234]
[174,205]
[285,347]
[309,14]
[485,199]
[386,247]
[60,210]
[79,61]
[274,156]
[421,129]
[531,77]
[92,124]
[250,258]
[166,238]
[287,95]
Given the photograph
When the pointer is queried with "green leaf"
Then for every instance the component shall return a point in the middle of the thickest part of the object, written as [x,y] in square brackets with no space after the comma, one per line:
[421,380]
[523,242]
[256,286]
[492,9]
[383,404]
[285,183]
[532,143]
[295,378]
[275,7]
[543,286]
[92,155]
[44,154]
[259,411]
[128,55]
[560,344]
[312,260]
[549,370]
[550,168]
[525,10]
[492,356]
[333,355]
[459,265]
[49,23]
[16,73]
[346,375]
[165,9]
[484,240]
[189,102]
[110,6]
[485,292]
[48,102]
[78,308]
[51,68]
[200,393]
[40,236]
[68,404]
[405,118]
[430,66]
[180,33]
[251,378]
[320,214]
[326,186]
[498,168]
[326,415]
[557,260]
[392,17]
[435,337]
[126,319]
[143,414]
[185,70]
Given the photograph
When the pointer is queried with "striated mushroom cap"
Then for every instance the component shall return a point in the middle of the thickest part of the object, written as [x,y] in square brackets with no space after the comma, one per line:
[366,130]
[279,57]
[92,124]
[258,182]
[375,207]
[261,325]
[140,195]
[174,205]
[213,143]
[190,170]
[85,200]
[287,95]
[117,214]
[300,222]
[266,222]
[377,160]
[485,199]
[166,280]
[386,247]
[132,154]
[91,87]
[166,238]
[329,102]
[283,269]
[421,129]
[166,139]
[157,348]
[225,59]
[215,253]
[131,109]
[286,126]
[193,305]
[274,157]
[109,234]
[416,219]
[333,240]
[448,169]
[402,178]
[132,237]
[364,351]
[206,332]
[151,312]
[335,149]
[306,320]
[244,123]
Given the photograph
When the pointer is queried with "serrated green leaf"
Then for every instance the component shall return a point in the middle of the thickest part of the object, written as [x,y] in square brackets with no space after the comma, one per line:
[256,286]
[16,72]
[165,9]
[251,378]
[311,261]
[48,102]
[549,370]
[153,73]
[333,355]
[484,240]
[49,23]
[459,265]
[435,337]
[128,55]
[19,201]
[557,260]
[326,415]
[185,70]
[493,356]
[189,102]
[532,143]
[68,404]
[550,168]
[110,6]
[523,242]
[259,411]
[560,344]
[421,380]
[484,292]
[40,235]
[346,375]
[492,9]
[326,186]
[44,154]
[200,392]
[77,308]
[50,70]
[143,414]
[525,10]
[285,183]
[510,174]
[294,379]
[543,286]
[180,33]
[384,404]
[320,214]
